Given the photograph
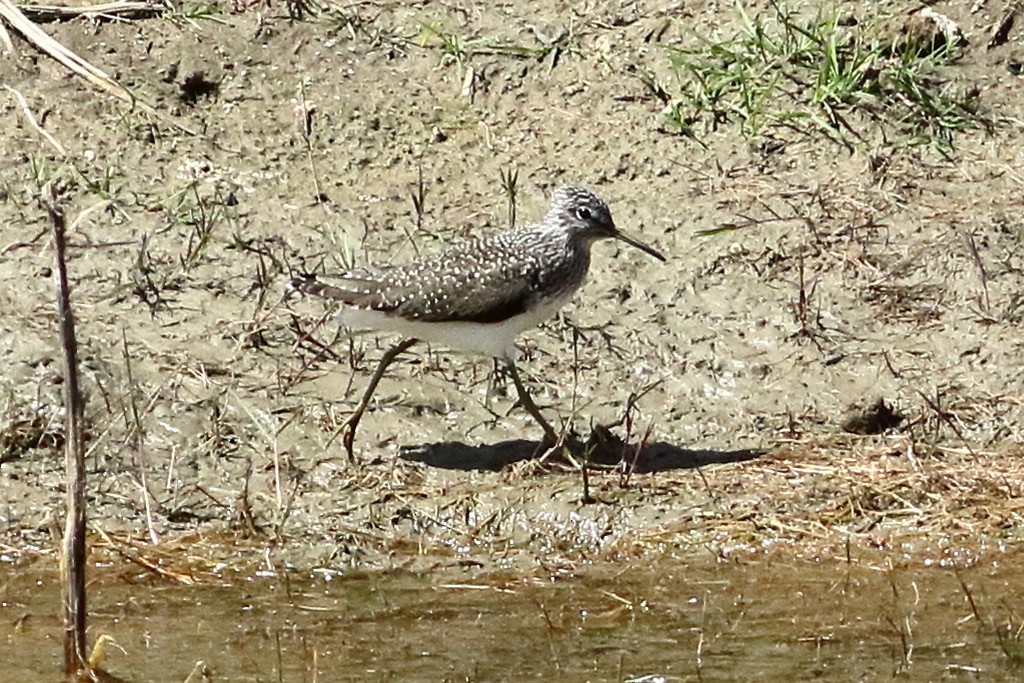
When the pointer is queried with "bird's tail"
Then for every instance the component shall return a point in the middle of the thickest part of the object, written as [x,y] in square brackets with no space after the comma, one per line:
[352,291]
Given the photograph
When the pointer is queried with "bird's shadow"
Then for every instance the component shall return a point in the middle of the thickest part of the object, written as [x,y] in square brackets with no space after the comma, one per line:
[602,448]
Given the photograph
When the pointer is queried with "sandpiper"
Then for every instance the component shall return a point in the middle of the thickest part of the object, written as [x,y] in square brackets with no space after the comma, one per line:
[478,295]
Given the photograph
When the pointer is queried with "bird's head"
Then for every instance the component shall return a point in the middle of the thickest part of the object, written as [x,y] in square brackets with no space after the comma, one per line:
[587,217]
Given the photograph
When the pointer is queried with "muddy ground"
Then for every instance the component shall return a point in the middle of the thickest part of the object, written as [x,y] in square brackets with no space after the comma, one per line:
[870,261]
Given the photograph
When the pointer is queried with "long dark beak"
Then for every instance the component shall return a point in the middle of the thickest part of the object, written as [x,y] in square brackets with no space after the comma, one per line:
[641,246]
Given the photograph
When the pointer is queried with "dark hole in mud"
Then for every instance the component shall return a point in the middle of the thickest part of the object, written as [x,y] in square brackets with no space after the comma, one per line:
[871,419]
[197,86]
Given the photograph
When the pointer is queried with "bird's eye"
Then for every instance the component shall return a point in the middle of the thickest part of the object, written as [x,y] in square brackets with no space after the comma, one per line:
[584,213]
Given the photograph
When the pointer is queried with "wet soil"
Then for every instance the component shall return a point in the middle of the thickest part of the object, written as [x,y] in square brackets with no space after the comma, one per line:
[865,288]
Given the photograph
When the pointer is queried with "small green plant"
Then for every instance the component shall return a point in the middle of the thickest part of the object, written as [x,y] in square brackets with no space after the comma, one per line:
[418,194]
[191,13]
[345,19]
[510,184]
[357,21]
[201,215]
[148,281]
[451,45]
[337,246]
[459,49]
[814,74]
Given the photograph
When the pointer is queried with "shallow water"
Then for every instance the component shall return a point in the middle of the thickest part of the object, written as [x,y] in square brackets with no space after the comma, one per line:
[670,620]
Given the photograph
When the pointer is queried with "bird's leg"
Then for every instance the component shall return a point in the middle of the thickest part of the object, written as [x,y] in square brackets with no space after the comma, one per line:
[550,435]
[497,381]
[348,430]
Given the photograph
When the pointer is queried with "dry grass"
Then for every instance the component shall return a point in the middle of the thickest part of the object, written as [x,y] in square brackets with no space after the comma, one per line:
[884,494]
[809,499]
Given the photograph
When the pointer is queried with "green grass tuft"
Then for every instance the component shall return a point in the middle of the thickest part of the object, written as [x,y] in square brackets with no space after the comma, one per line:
[818,74]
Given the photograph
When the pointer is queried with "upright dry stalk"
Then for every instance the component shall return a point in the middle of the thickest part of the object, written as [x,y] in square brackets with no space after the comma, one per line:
[72,563]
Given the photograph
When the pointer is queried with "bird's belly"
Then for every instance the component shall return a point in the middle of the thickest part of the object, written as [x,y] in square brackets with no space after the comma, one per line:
[489,339]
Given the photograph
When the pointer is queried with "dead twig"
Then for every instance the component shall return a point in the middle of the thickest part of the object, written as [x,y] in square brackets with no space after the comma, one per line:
[35,124]
[73,555]
[116,11]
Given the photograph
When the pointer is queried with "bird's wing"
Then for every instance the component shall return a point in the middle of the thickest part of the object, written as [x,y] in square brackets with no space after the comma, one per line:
[469,283]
